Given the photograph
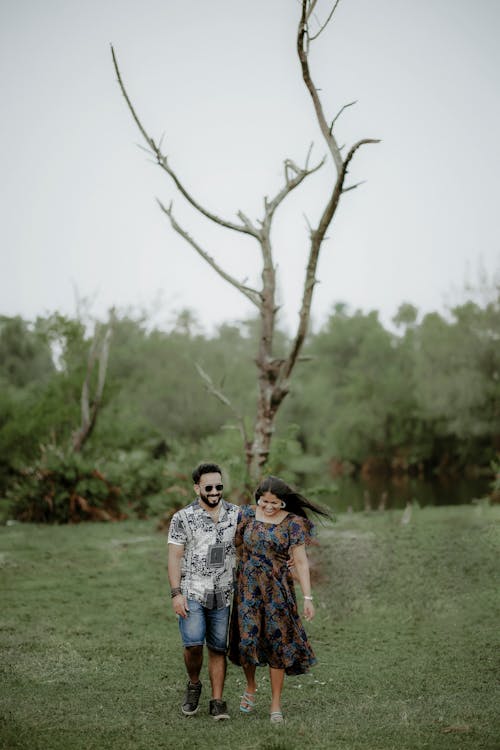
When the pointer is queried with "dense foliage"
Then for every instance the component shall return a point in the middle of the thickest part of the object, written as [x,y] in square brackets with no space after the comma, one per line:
[419,397]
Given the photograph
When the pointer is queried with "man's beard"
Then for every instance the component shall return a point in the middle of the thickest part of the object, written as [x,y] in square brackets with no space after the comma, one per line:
[212,501]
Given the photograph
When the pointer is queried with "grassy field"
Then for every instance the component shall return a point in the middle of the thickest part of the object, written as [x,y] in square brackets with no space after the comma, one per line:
[406,635]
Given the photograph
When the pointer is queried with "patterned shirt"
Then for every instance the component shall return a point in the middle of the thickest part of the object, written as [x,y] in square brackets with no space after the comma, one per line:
[207,570]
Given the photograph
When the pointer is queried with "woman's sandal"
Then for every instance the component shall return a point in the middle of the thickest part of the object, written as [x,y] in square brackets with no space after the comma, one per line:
[247,704]
[277,717]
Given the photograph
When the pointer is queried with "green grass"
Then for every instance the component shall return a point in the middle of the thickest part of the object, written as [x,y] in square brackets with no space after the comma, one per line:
[406,635]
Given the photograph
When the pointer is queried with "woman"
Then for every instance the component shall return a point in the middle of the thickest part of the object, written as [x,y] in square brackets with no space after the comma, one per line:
[265,623]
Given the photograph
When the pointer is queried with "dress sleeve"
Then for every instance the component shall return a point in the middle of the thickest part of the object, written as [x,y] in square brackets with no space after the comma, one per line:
[243,516]
[301,531]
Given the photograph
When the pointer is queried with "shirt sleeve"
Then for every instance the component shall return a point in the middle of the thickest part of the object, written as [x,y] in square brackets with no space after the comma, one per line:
[176,531]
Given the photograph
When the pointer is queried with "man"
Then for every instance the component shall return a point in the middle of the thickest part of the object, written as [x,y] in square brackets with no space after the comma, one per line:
[201,558]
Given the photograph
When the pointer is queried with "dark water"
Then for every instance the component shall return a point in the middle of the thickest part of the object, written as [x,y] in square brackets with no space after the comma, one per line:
[398,491]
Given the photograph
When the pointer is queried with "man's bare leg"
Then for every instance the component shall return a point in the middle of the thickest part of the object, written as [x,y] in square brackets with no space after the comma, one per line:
[193,659]
[216,672]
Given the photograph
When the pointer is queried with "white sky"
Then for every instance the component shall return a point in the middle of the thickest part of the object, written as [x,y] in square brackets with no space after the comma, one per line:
[222,79]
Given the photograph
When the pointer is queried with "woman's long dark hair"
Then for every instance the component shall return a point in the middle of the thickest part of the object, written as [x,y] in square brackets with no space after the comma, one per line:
[294,502]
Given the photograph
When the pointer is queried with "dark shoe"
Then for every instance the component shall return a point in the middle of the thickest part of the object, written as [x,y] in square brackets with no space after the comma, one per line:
[191,699]
[218,709]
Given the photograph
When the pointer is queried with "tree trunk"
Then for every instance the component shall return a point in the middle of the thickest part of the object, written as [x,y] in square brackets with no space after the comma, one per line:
[98,354]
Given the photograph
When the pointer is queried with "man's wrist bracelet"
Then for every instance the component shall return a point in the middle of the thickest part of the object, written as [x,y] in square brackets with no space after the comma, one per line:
[175,592]
[309,598]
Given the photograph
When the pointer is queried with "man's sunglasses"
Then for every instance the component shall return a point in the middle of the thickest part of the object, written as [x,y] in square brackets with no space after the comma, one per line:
[210,487]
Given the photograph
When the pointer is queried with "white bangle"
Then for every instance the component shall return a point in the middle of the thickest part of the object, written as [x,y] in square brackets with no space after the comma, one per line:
[309,598]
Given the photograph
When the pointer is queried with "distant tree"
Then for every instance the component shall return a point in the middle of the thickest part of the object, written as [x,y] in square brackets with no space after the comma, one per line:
[153,389]
[358,399]
[457,370]
[274,370]
[25,355]
[26,369]
[406,316]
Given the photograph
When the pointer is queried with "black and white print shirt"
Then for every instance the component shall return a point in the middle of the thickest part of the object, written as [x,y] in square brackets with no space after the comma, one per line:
[193,529]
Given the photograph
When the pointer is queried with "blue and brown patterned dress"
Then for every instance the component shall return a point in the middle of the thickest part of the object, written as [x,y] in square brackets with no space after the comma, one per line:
[265,623]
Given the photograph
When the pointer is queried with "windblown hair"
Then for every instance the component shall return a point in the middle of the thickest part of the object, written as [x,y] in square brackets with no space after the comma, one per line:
[205,469]
[294,502]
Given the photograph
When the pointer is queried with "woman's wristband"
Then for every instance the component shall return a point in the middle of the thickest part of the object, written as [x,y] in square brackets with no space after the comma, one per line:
[309,598]
[175,591]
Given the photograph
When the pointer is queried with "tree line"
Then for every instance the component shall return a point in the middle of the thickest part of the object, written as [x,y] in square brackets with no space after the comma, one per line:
[421,396]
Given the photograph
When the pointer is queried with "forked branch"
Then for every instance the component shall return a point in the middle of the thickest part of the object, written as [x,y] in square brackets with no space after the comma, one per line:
[162,160]
[303,51]
[317,236]
[294,175]
[211,388]
[349,104]
[252,294]
[325,24]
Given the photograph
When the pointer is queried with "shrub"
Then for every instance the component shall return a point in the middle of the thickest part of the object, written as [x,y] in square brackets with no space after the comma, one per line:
[63,487]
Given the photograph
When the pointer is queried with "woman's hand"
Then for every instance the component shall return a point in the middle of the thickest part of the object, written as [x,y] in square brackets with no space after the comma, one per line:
[308,609]
[302,567]
[180,605]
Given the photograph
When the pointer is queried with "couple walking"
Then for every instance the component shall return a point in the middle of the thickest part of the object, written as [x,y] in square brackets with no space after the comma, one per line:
[212,542]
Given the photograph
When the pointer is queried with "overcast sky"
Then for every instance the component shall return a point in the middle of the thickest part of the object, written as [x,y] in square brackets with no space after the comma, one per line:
[222,80]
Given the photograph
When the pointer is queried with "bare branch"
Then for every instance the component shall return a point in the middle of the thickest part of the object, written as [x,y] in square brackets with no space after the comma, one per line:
[252,229]
[354,148]
[103,365]
[308,156]
[146,150]
[317,237]
[302,37]
[353,187]
[312,5]
[291,183]
[162,161]
[146,137]
[312,38]
[252,294]
[350,104]
[209,385]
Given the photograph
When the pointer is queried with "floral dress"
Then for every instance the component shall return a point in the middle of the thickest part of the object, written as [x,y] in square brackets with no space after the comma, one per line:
[265,624]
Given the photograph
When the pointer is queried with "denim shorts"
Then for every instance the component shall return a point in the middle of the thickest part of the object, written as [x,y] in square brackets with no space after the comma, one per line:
[205,624]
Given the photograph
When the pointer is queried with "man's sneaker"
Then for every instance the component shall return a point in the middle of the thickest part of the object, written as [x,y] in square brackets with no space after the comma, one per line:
[218,709]
[191,699]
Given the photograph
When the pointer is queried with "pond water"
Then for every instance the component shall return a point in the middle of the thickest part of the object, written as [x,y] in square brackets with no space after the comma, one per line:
[395,492]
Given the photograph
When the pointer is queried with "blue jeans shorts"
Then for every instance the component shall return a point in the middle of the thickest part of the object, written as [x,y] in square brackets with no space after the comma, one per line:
[205,624]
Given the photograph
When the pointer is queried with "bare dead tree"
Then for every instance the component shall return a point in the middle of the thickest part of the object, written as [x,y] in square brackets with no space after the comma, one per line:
[98,356]
[273,374]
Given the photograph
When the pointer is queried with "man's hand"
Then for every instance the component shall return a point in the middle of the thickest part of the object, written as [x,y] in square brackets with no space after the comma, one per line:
[180,605]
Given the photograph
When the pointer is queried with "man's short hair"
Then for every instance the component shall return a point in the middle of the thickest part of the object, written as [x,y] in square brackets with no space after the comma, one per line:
[205,469]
